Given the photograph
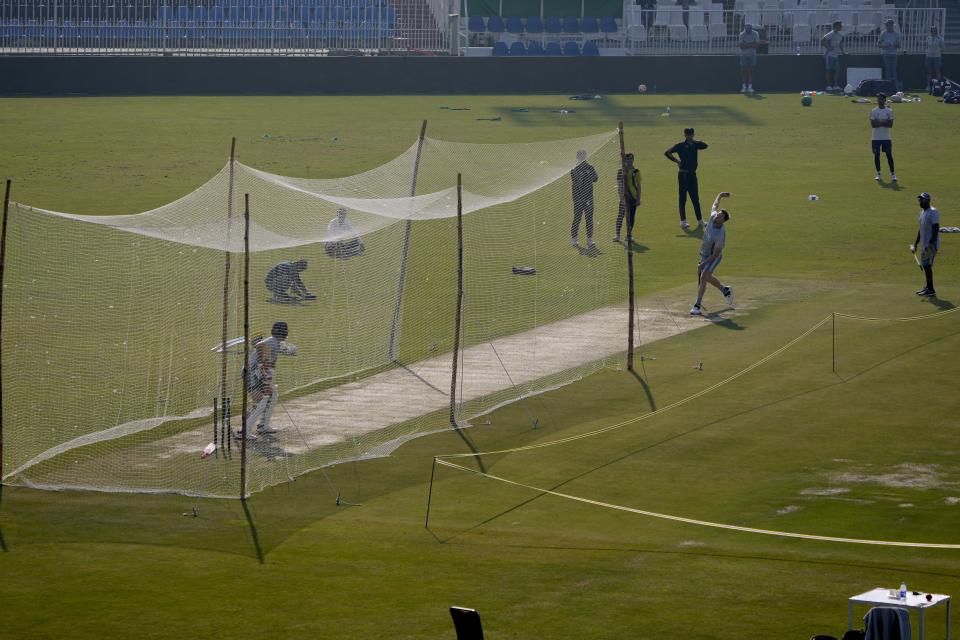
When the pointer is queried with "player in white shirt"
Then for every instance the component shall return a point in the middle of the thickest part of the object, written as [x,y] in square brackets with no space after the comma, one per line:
[881,119]
[927,242]
[711,253]
[342,238]
[260,370]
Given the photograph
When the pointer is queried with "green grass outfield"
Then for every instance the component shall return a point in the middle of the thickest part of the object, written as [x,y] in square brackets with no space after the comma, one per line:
[771,450]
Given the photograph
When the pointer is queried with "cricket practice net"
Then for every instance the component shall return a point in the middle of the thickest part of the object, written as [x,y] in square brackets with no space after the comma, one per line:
[114,326]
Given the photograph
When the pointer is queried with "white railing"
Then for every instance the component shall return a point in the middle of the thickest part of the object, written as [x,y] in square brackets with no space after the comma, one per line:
[785,29]
[707,29]
[222,27]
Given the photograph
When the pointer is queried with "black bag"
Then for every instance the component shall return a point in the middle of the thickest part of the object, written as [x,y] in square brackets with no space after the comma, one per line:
[874,86]
[854,634]
[937,87]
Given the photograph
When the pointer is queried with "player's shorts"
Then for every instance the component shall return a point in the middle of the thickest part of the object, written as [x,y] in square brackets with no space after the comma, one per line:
[584,204]
[748,60]
[832,63]
[926,260]
[886,146]
[712,265]
[934,64]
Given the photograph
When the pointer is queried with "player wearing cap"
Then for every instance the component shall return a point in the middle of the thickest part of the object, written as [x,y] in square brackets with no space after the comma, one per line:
[259,373]
[687,173]
[881,119]
[927,242]
[711,253]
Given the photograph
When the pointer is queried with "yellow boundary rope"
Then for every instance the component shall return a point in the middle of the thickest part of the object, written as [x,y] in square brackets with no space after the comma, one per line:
[444,459]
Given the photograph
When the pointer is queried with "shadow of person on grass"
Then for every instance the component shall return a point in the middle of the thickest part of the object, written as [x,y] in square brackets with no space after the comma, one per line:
[755,96]
[589,251]
[893,186]
[720,321]
[942,305]
[693,232]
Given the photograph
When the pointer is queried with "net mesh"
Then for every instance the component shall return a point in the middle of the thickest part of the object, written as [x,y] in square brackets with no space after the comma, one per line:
[113,322]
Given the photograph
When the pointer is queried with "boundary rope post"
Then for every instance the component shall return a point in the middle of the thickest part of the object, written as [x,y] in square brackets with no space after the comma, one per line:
[457,314]
[3,256]
[833,341]
[395,327]
[626,212]
[433,471]
[246,344]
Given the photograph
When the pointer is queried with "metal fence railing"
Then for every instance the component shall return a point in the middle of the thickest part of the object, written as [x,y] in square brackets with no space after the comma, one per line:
[705,29]
[223,27]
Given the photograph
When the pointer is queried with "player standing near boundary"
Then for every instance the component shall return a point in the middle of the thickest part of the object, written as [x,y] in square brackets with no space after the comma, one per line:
[687,174]
[259,373]
[749,43]
[582,178]
[633,195]
[832,42]
[881,119]
[711,253]
[928,242]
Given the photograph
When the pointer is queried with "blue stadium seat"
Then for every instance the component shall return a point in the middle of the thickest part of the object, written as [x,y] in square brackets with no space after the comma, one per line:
[475,25]
[552,25]
[553,49]
[500,49]
[183,15]
[608,24]
[495,24]
[216,14]
[571,48]
[200,14]
[535,49]
[517,49]
[70,33]
[514,25]
[590,48]
[590,24]
[571,24]
[534,24]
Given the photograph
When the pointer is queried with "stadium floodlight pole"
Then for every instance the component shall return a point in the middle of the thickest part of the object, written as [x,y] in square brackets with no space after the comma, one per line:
[626,211]
[3,255]
[226,275]
[456,321]
[395,327]
[246,345]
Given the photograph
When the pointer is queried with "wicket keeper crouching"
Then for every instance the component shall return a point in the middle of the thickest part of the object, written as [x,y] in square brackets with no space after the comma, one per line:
[259,376]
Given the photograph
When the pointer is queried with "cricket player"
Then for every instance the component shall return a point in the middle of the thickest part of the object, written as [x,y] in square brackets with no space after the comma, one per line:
[259,376]
[343,241]
[927,242]
[582,178]
[881,119]
[283,281]
[711,253]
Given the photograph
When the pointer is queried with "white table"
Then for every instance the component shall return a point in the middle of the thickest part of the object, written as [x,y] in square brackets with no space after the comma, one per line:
[881,598]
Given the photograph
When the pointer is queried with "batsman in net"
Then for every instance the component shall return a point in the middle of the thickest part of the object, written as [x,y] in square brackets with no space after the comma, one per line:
[260,371]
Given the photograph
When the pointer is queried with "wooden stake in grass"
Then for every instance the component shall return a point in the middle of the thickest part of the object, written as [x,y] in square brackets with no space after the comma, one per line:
[456,321]
[226,295]
[246,344]
[626,212]
[3,255]
[395,327]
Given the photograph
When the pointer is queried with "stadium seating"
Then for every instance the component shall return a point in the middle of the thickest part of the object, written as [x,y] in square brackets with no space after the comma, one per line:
[571,25]
[534,25]
[495,24]
[553,49]
[590,48]
[517,49]
[590,25]
[535,49]
[514,25]
[570,48]
[500,49]
[552,25]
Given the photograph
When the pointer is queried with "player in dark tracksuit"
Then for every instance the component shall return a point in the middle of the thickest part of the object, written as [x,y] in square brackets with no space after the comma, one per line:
[687,175]
[582,178]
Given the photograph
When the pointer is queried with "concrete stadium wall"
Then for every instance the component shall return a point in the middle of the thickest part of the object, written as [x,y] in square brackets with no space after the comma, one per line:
[59,76]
